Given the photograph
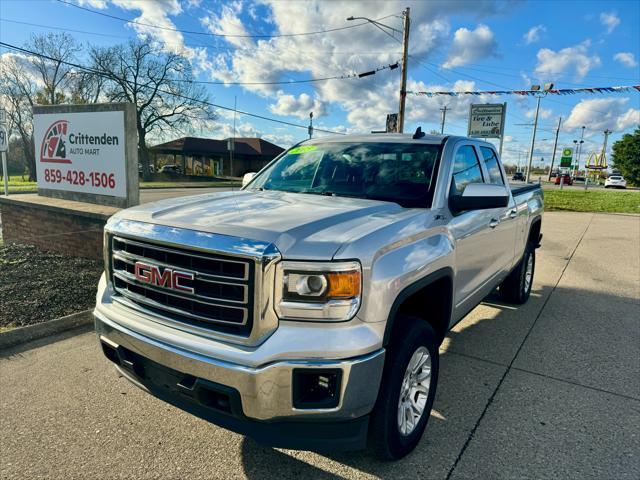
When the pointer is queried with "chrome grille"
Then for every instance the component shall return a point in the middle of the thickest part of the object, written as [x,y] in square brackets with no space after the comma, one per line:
[215,293]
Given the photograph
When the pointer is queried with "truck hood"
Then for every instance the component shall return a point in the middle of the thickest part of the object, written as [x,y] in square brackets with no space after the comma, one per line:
[301,226]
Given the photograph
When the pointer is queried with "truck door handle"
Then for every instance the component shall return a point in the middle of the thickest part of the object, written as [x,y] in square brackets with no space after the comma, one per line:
[494,223]
[513,213]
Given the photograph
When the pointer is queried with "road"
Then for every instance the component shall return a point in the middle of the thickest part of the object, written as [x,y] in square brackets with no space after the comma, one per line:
[547,390]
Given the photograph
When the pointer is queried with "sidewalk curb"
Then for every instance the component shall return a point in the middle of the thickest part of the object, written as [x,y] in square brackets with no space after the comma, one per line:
[52,327]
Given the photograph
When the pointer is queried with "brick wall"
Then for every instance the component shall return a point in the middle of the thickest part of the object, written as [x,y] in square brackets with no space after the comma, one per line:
[75,233]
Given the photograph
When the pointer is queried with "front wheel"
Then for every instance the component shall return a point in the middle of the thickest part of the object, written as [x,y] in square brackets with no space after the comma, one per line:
[407,390]
[516,288]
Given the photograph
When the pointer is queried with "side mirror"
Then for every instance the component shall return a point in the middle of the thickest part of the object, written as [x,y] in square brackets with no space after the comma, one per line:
[247,178]
[479,196]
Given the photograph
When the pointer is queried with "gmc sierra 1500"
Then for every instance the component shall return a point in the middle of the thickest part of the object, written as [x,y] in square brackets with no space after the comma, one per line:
[306,310]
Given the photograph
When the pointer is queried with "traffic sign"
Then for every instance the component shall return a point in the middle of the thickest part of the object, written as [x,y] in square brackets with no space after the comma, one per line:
[4,139]
[3,116]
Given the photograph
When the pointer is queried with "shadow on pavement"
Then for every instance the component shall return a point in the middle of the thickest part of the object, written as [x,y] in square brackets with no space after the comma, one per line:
[469,375]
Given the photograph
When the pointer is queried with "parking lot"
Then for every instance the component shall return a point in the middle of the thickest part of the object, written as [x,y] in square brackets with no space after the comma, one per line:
[547,390]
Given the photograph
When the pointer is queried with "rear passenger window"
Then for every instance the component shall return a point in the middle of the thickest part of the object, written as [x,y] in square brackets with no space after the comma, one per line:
[491,162]
[466,169]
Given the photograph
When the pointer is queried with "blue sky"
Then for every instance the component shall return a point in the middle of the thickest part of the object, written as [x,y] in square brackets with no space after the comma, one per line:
[454,45]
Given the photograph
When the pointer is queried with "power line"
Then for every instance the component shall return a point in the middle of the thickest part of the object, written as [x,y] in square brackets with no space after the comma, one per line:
[167,92]
[225,35]
[206,45]
[308,80]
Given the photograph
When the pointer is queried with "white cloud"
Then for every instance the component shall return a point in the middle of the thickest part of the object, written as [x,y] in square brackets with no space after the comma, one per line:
[290,105]
[470,45]
[576,59]
[543,113]
[156,14]
[533,35]
[626,58]
[609,20]
[100,4]
[603,113]
[365,101]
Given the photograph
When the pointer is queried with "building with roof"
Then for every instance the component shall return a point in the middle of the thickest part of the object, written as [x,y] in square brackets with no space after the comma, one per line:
[209,157]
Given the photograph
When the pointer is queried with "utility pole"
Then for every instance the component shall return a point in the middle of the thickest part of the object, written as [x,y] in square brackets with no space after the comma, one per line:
[444,116]
[403,82]
[533,139]
[555,145]
[310,129]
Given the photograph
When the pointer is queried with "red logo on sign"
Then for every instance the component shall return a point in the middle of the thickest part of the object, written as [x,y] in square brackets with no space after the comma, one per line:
[53,148]
[167,278]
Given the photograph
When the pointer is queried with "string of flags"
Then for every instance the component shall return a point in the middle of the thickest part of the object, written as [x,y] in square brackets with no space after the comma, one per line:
[561,91]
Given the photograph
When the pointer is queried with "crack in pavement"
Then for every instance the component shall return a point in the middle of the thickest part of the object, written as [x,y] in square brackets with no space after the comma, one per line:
[510,366]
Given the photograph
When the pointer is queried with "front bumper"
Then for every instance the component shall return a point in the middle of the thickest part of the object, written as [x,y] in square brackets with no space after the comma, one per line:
[255,401]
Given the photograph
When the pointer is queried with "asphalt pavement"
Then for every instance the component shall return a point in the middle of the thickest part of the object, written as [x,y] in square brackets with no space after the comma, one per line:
[547,390]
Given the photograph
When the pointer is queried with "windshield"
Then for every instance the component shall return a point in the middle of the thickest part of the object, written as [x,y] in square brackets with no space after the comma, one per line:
[394,172]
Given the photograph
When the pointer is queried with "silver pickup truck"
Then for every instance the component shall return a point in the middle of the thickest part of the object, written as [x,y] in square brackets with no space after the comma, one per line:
[306,310]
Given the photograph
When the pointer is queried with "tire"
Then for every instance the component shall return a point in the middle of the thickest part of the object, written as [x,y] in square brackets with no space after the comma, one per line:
[386,436]
[516,288]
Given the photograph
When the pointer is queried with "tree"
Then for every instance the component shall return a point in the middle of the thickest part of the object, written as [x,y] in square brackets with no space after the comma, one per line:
[26,81]
[160,85]
[626,156]
[56,75]
[18,91]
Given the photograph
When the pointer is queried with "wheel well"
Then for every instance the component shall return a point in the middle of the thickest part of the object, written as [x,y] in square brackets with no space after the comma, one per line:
[534,232]
[430,302]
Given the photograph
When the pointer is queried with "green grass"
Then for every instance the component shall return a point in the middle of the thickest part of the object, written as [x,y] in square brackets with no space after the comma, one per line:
[18,185]
[592,201]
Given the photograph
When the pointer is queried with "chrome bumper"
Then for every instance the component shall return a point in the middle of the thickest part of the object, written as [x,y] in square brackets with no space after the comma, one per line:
[265,391]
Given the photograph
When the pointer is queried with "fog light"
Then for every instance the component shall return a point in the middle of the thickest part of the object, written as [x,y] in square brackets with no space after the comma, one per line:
[314,388]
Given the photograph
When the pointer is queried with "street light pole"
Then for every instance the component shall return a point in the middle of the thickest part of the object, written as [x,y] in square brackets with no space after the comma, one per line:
[403,82]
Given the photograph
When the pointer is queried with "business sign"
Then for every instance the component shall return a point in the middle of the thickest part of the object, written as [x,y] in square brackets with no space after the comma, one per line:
[567,157]
[487,120]
[83,151]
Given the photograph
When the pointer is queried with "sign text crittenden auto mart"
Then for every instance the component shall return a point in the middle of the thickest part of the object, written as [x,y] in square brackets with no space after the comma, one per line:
[81,152]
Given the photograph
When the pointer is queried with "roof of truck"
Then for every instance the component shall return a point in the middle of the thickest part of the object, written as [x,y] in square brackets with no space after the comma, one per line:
[385,137]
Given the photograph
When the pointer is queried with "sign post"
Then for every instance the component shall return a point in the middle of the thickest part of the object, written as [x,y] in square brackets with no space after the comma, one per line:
[87,153]
[4,146]
[487,121]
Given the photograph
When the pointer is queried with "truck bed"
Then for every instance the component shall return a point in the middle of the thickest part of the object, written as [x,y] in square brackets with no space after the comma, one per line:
[520,188]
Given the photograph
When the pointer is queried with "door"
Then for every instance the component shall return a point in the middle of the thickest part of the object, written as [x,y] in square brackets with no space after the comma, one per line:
[470,229]
[503,220]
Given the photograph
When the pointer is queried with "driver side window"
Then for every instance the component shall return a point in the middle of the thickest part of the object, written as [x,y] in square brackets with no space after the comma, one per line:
[466,169]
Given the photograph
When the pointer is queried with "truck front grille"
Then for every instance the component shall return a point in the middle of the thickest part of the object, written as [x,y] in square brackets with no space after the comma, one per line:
[202,290]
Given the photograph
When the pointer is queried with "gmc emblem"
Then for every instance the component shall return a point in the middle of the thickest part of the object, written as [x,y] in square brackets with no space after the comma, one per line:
[168,278]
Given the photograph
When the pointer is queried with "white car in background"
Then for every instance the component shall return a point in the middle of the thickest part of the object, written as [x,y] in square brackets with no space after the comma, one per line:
[615,181]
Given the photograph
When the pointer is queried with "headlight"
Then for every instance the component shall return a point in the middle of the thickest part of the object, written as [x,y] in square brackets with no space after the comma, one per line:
[314,291]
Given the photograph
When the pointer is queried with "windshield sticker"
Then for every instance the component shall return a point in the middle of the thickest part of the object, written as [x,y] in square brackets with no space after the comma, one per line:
[302,149]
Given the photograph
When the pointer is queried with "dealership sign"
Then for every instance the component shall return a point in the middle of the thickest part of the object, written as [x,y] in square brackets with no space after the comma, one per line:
[487,120]
[84,153]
